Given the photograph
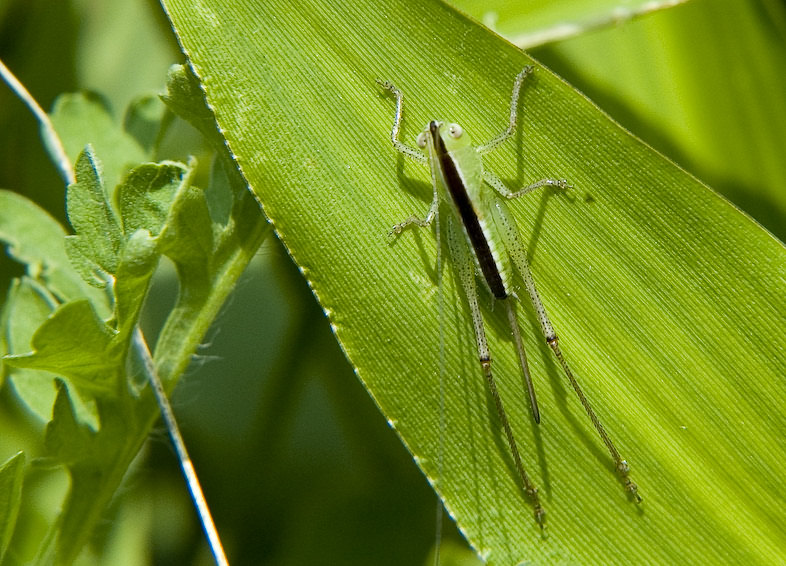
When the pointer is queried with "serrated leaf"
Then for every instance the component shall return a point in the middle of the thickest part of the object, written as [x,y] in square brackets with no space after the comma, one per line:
[653,282]
[146,195]
[137,264]
[159,198]
[95,249]
[80,252]
[188,237]
[161,213]
[75,343]
[184,96]
[11,477]
[166,215]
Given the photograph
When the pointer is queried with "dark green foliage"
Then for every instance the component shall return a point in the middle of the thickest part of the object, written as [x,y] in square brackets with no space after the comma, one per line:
[102,411]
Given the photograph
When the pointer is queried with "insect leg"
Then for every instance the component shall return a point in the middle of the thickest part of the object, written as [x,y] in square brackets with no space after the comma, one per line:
[416,220]
[400,147]
[504,191]
[510,306]
[414,154]
[518,255]
[466,274]
[514,110]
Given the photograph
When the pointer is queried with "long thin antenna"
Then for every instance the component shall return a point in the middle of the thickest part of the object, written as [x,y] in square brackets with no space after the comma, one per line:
[180,447]
[442,416]
[48,132]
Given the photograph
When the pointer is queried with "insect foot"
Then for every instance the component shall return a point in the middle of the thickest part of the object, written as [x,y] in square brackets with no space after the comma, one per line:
[539,511]
[623,469]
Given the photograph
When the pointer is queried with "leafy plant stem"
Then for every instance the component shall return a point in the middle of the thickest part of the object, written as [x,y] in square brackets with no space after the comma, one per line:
[186,326]
[204,288]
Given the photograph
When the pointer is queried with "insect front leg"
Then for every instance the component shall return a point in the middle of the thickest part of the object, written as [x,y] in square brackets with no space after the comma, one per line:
[398,145]
[465,268]
[516,251]
[504,191]
[514,111]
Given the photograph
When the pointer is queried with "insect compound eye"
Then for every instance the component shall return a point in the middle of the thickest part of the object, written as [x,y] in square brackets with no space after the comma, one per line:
[455,131]
[421,141]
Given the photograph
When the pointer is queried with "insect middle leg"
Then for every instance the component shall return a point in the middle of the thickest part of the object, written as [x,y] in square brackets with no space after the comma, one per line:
[416,220]
[465,268]
[504,191]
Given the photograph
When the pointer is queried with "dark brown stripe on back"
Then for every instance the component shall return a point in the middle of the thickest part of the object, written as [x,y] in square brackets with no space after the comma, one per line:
[471,223]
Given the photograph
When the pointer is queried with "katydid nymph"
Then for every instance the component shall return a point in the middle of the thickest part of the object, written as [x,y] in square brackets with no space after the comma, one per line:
[484,242]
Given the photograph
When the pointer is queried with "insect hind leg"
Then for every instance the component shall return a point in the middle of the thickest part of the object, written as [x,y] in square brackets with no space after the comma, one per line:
[518,255]
[465,268]
[416,220]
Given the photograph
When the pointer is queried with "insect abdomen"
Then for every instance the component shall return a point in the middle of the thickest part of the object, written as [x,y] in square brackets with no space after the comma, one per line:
[457,187]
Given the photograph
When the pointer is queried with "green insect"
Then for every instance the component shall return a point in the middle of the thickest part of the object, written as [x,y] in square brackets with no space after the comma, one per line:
[484,241]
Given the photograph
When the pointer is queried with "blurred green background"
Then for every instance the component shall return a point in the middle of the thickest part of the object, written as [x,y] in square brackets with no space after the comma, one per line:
[297,463]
